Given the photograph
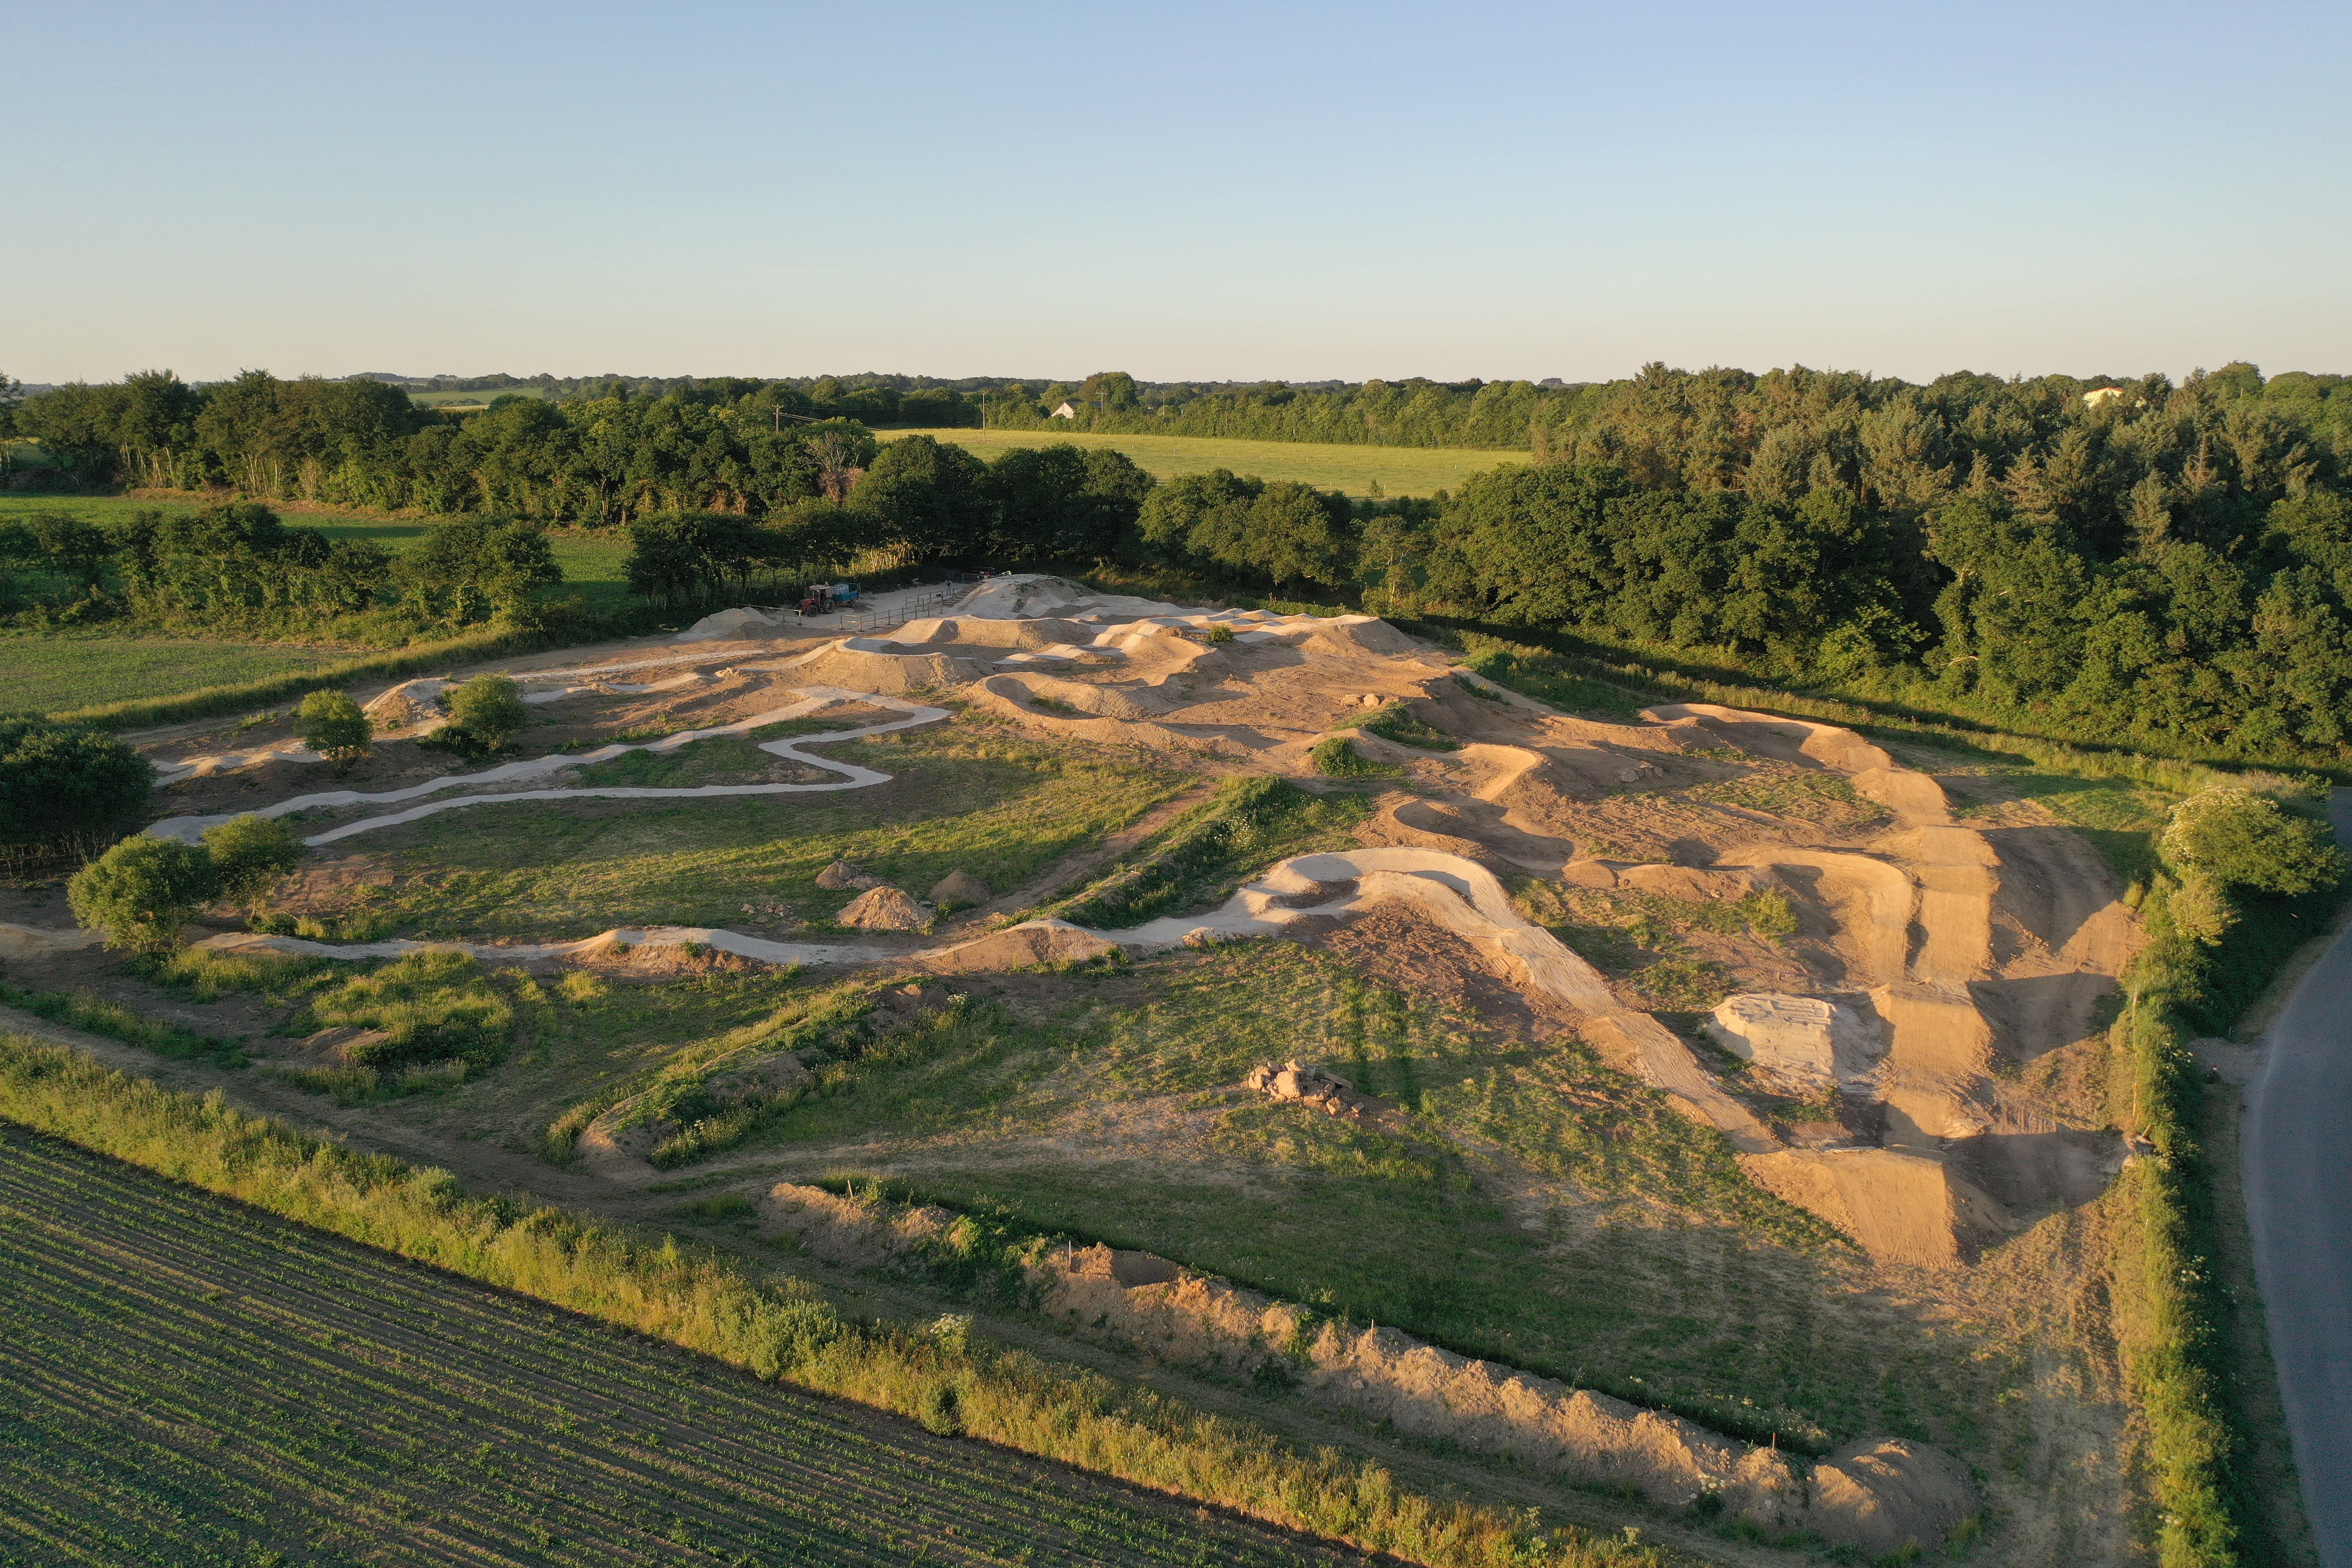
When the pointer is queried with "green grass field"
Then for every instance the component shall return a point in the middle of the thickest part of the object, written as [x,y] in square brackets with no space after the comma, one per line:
[1001,809]
[479,398]
[192,1381]
[1358,470]
[51,672]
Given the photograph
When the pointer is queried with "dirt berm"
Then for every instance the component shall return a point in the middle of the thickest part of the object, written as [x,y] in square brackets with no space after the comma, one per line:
[1881,1494]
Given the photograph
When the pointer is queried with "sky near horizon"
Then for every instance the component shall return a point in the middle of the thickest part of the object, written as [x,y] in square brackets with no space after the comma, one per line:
[1215,191]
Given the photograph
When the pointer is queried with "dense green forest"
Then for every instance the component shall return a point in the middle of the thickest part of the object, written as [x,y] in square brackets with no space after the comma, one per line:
[2122,558]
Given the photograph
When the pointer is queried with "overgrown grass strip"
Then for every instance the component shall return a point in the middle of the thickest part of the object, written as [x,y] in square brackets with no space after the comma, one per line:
[774,1329]
[138,712]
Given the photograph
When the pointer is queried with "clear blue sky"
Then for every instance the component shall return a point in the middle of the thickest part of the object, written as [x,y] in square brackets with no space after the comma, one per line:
[1194,191]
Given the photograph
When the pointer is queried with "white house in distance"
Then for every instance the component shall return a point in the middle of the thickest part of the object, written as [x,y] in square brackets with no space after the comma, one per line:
[1067,411]
[2090,399]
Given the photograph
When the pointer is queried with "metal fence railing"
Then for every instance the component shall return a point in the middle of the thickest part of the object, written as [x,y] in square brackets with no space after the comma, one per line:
[854,621]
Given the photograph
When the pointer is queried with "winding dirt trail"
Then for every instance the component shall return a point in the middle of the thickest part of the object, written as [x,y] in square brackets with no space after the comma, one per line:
[189,829]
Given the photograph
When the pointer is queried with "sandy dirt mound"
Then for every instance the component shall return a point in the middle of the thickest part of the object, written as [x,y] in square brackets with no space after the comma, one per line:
[868,664]
[961,888]
[739,624]
[1902,1207]
[1023,946]
[841,876]
[883,908]
[1887,1495]
[1102,702]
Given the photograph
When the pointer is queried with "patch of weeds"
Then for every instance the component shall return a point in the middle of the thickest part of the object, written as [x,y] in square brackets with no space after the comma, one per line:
[1398,722]
[1809,795]
[204,974]
[425,1008]
[355,1086]
[1055,705]
[1546,676]
[1204,853]
[1335,756]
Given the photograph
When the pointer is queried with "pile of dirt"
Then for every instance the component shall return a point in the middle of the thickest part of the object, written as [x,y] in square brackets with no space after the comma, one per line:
[842,874]
[1028,945]
[883,907]
[1796,1045]
[1880,1493]
[1889,1496]
[1294,1080]
[869,664]
[959,888]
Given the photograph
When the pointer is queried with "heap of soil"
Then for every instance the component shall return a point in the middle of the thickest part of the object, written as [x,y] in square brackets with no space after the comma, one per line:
[960,887]
[883,909]
[841,874]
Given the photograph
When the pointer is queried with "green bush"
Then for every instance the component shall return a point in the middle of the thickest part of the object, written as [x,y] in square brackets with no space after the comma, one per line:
[337,728]
[143,890]
[2239,839]
[1335,756]
[490,709]
[248,855]
[60,785]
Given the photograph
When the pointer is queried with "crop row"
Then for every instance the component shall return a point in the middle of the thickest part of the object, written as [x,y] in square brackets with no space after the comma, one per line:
[198,1383]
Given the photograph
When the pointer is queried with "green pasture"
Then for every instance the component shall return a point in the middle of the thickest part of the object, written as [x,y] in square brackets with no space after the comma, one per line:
[52,672]
[479,398]
[1358,470]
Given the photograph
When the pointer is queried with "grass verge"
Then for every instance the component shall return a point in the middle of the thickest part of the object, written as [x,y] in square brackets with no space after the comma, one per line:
[97,1016]
[2175,1337]
[774,1330]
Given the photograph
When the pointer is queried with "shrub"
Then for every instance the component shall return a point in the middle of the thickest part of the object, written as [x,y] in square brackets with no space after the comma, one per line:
[431,1006]
[336,728]
[141,891]
[489,707]
[1335,756]
[248,854]
[1395,721]
[58,784]
[2238,838]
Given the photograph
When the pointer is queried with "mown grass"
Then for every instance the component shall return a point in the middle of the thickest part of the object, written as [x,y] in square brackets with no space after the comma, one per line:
[1357,470]
[773,1328]
[1111,1113]
[964,797]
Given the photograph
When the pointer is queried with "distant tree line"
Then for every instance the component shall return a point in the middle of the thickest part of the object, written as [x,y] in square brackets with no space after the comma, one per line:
[2130,558]
[237,570]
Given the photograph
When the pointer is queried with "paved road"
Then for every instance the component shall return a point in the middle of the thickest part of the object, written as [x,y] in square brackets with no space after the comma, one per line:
[2298,1169]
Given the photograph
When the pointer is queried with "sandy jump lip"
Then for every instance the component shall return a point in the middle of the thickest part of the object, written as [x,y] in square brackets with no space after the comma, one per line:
[190,829]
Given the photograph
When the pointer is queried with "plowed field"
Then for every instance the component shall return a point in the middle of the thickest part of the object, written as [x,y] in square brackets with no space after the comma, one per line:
[188,1381]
